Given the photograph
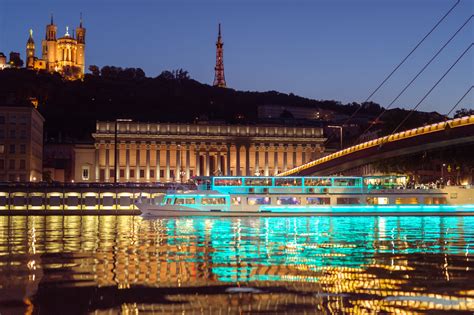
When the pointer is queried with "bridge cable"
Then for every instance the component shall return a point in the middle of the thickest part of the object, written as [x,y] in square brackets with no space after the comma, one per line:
[460,100]
[414,78]
[400,64]
[429,92]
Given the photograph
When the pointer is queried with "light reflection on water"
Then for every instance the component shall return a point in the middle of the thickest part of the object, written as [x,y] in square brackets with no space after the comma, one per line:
[307,264]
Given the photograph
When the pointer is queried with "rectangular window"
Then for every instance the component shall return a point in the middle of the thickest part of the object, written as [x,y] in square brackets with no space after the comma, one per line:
[85,173]
[132,173]
[2,164]
[317,182]
[228,182]
[11,164]
[111,173]
[191,173]
[2,120]
[406,201]
[12,148]
[172,173]
[2,133]
[345,182]
[162,173]
[2,148]
[142,173]
[183,201]
[236,201]
[252,201]
[12,133]
[318,201]
[152,173]
[22,148]
[102,175]
[22,164]
[23,134]
[377,200]
[122,173]
[348,201]
[258,181]
[288,182]
[288,201]
[213,201]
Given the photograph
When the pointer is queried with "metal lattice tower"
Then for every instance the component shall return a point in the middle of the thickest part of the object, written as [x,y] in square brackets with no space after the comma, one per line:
[219,78]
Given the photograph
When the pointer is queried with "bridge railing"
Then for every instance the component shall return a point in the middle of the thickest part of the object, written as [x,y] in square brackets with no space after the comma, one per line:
[453,123]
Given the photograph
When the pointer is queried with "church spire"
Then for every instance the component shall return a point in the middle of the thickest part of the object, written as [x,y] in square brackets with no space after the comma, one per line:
[219,78]
[52,22]
[80,20]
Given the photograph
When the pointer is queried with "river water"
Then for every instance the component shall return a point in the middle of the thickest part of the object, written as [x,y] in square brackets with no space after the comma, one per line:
[126,264]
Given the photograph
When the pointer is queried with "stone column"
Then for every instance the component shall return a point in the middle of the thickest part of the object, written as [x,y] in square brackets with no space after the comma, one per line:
[167,171]
[127,162]
[247,160]
[228,160]
[198,165]
[97,161]
[303,154]
[177,172]
[137,162]
[158,160]
[117,163]
[207,161]
[107,162]
[295,149]
[237,160]
[188,159]
[266,173]
[285,157]
[218,161]
[257,160]
[275,159]
[147,169]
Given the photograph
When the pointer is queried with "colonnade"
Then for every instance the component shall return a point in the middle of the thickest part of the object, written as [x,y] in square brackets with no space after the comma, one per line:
[139,161]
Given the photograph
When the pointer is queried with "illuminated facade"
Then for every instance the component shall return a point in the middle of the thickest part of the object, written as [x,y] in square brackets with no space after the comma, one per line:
[65,55]
[155,152]
[21,144]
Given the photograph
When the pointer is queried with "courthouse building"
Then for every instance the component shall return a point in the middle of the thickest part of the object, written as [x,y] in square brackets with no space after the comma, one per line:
[163,152]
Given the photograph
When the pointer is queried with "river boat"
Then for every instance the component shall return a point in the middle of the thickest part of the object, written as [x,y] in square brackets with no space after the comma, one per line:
[310,196]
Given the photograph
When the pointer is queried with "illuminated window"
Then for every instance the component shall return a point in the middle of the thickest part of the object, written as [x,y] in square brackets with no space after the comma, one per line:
[288,182]
[318,200]
[317,182]
[258,182]
[236,201]
[228,182]
[85,172]
[435,200]
[252,201]
[377,200]
[406,201]
[213,201]
[288,201]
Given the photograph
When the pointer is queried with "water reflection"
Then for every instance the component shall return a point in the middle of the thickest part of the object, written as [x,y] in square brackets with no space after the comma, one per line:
[339,264]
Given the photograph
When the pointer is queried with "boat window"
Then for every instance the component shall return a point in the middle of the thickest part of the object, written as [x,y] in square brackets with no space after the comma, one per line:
[227,182]
[288,181]
[179,201]
[258,181]
[317,182]
[406,201]
[348,201]
[344,182]
[169,201]
[189,201]
[377,200]
[251,201]
[435,200]
[236,201]
[288,201]
[213,201]
[318,200]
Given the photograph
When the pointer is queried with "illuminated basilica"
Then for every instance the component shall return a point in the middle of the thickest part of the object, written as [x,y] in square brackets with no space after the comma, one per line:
[65,54]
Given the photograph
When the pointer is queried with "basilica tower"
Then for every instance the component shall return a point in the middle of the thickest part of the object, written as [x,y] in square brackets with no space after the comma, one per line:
[50,46]
[81,47]
[30,51]
[219,78]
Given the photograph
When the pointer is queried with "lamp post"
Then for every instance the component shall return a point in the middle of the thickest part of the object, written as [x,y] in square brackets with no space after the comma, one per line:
[340,133]
[442,173]
[117,167]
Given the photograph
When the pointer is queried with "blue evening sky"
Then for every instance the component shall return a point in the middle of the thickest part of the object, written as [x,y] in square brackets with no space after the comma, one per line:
[337,50]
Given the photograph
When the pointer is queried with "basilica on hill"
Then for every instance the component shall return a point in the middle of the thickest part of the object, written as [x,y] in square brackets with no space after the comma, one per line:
[65,54]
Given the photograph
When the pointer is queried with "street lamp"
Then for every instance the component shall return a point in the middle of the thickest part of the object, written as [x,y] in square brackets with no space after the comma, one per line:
[117,167]
[340,133]
[442,173]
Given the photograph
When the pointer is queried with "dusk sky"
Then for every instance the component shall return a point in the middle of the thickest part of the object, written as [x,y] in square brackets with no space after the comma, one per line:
[337,50]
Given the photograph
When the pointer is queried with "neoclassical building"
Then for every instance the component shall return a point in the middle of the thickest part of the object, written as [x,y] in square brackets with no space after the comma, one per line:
[162,152]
